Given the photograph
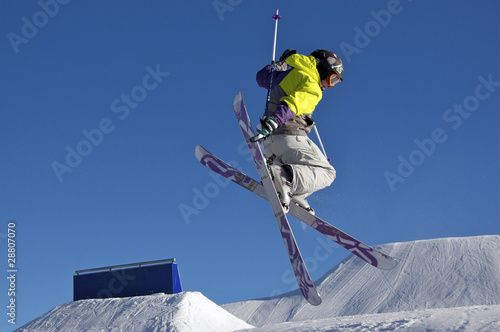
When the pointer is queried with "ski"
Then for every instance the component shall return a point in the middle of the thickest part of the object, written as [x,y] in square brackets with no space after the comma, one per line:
[367,253]
[306,285]
[219,166]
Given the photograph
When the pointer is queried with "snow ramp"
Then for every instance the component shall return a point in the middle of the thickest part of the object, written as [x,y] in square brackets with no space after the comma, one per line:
[182,312]
[438,273]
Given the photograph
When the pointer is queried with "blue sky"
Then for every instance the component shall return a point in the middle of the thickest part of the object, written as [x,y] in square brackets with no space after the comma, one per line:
[103,104]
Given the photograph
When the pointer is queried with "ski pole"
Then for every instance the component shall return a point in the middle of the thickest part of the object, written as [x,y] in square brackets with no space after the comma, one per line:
[321,143]
[276,18]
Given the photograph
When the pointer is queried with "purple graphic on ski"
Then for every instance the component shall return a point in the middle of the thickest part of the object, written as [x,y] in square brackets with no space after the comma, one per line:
[303,280]
[357,248]
[230,173]
[221,167]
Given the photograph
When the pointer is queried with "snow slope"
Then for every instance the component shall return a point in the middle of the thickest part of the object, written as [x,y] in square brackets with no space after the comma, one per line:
[473,319]
[439,285]
[439,273]
[182,312]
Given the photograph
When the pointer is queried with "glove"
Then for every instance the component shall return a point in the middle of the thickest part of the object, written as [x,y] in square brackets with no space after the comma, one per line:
[280,66]
[264,129]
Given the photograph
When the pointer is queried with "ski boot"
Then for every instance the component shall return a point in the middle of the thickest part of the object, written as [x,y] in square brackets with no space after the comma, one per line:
[301,201]
[283,185]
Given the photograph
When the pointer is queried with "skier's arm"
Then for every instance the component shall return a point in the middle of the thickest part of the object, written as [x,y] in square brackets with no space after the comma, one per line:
[301,100]
[264,76]
[283,113]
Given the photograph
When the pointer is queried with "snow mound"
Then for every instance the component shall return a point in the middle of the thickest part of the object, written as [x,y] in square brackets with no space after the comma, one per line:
[477,318]
[438,273]
[182,312]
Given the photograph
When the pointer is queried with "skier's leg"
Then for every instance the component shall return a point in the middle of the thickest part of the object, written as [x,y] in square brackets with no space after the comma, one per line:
[311,169]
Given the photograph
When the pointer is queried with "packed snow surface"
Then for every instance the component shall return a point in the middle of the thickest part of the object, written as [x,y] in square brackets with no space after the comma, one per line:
[439,273]
[469,319]
[446,284]
[182,312]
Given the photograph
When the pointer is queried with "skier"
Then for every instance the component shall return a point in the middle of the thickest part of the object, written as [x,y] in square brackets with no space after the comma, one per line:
[298,82]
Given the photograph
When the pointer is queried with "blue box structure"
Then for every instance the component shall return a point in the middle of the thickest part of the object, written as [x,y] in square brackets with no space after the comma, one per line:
[127,280]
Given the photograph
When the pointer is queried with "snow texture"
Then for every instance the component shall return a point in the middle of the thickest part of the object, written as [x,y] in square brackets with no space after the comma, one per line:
[446,284]
[473,319]
[182,312]
[442,273]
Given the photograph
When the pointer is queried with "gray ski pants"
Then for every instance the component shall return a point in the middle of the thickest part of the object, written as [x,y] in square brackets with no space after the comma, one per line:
[311,169]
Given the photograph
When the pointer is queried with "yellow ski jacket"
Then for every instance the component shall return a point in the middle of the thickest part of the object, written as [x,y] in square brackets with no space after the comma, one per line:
[294,94]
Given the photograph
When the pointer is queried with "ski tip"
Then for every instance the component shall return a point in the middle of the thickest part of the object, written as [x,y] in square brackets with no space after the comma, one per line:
[388,264]
[310,293]
[199,152]
[238,98]
[315,300]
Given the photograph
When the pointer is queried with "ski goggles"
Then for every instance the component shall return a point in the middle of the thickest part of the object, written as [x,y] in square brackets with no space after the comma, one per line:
[333,79]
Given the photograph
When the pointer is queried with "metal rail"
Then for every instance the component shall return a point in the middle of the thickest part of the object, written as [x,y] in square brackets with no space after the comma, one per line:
[110,268]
